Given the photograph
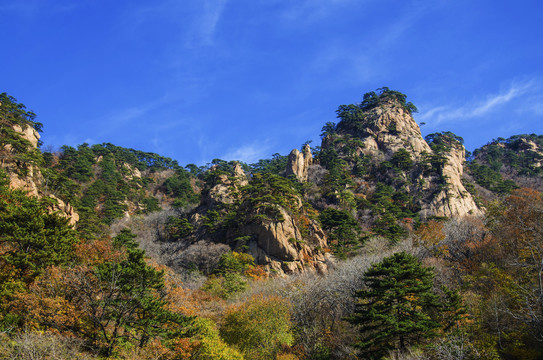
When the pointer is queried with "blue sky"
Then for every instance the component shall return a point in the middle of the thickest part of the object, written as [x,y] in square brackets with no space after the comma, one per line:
[243,79]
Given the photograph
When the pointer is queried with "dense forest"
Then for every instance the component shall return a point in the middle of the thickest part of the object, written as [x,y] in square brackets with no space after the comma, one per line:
[377,244]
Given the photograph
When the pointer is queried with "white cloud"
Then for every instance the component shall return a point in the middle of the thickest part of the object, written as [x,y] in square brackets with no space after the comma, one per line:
[496,100]
[249,153]
[443,113]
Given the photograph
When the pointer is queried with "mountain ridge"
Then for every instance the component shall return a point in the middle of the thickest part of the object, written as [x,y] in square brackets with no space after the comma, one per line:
[374,174]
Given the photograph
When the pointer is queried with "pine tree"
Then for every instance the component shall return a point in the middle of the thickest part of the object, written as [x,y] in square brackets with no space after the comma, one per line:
[128,302]
[396,308]
[31,237]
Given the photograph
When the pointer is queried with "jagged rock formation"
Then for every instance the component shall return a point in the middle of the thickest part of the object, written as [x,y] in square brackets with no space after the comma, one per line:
[299,162]
[384,143]
[265,217]
[29,134]
[64,209]
[22,175]
[281,247]
[387,129]
[453,199]
[222,192]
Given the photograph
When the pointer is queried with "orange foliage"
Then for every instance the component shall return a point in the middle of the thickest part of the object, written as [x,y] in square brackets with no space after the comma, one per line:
[521,225]
[193,302]
[430,233]
[256,272]
[46,302]
[306,258]
[478,248]
[182,348]
[94,252]
[305,221]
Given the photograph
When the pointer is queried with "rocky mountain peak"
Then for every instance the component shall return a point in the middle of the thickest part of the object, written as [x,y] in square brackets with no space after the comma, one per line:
[382,141]
[298,163]
[267,217]
[392,128]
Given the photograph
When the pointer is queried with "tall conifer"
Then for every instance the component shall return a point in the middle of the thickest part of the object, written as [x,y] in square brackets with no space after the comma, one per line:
[395,310]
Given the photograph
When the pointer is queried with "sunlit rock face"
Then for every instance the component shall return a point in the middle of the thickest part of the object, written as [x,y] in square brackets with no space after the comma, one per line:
[284,243]
[299,162]
[28,177]
[389,128]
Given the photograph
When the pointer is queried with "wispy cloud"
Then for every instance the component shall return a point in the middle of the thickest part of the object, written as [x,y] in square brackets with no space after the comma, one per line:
[128,117]
[310,10]
[478,108]
[496,100]
[213,10]
[200,30]
[400,26]
[248,153]
[122,117]
[366,60]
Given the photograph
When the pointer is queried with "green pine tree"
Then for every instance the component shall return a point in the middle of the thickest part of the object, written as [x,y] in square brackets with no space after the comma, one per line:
[130,303]
[396,308]
[31,239]
[31,236]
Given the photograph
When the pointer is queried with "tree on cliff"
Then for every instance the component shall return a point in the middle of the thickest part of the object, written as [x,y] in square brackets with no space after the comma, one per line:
[354,116]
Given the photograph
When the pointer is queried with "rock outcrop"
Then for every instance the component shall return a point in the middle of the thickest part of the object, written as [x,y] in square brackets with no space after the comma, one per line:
[431,174]
[277,232]
[299,162]
[515,161]
[282,248]
[65,210]
[389,128]
[453,200]
[28,177]
[226,186]
[29,134]
[22,176]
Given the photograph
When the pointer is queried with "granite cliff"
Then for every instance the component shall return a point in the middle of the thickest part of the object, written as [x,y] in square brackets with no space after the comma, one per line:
[382,142]
[21,157]
[264,217]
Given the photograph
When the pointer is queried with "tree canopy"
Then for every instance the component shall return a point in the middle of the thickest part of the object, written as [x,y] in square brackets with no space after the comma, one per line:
[396,307]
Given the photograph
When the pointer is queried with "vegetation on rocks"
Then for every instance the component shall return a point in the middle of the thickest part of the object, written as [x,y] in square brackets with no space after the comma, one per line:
[237,261]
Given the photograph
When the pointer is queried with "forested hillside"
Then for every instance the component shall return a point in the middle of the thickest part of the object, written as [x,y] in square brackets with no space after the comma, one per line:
[377,244]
